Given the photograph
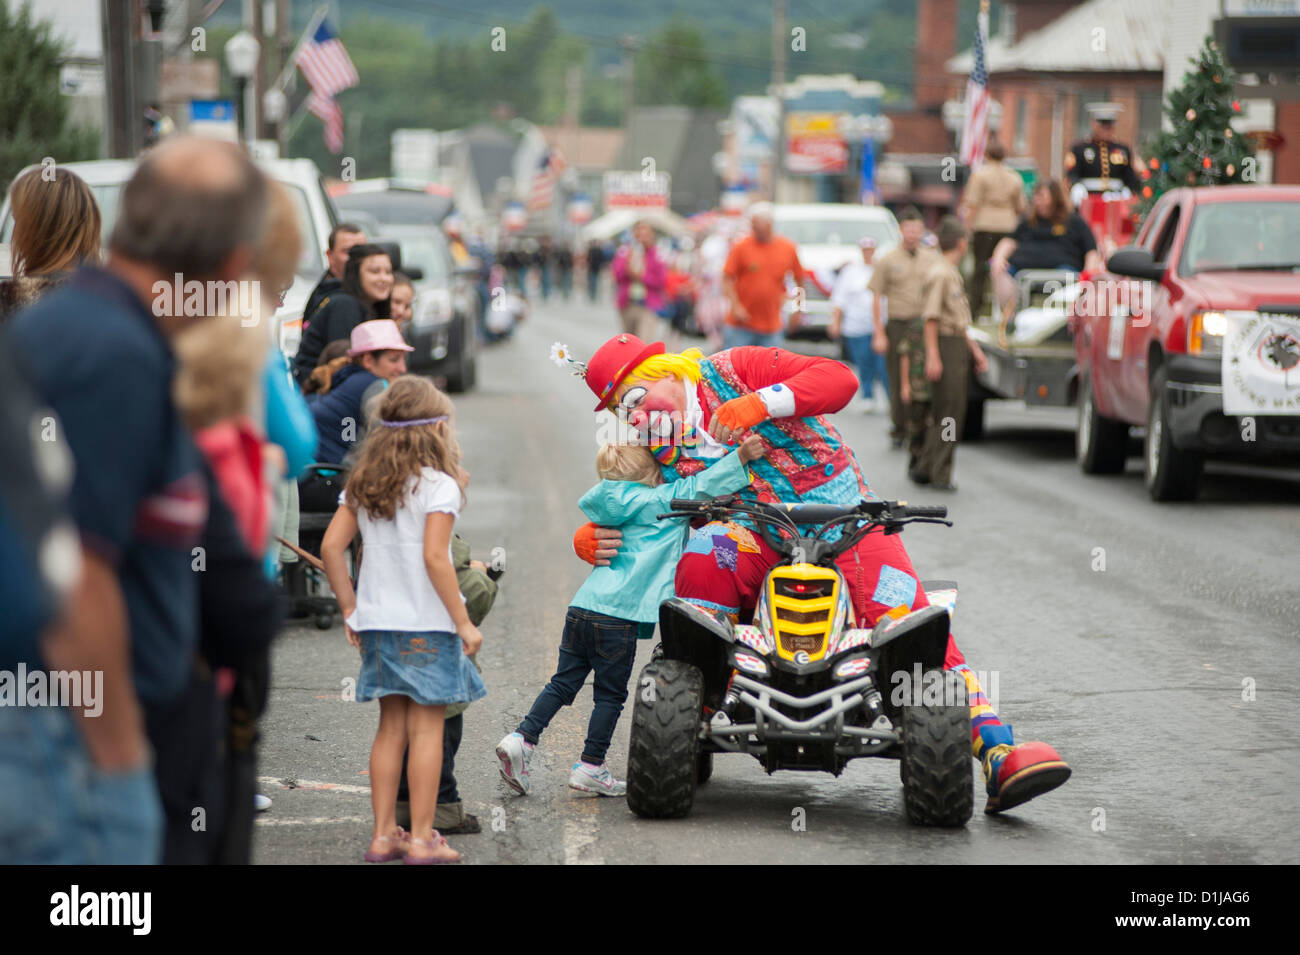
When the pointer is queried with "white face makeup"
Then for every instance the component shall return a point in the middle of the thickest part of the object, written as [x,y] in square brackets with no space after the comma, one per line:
[628,403]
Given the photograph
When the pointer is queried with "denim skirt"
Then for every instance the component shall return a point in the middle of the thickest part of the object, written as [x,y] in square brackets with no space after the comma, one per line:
[429,667]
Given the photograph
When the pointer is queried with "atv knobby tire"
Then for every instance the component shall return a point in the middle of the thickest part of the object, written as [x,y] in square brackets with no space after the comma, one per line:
[664,748]
[936,763]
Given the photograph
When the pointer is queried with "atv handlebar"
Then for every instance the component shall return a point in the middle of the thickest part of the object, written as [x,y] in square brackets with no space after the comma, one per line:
[814,513]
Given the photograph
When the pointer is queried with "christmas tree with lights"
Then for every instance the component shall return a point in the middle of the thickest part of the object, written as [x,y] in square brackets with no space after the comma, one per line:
[1202,148]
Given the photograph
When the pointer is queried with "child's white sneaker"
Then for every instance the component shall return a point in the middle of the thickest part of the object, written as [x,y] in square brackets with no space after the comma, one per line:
[587,778]
[515,754]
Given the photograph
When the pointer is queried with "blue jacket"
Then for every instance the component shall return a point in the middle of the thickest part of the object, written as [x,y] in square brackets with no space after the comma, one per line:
[640,577]
[338,414]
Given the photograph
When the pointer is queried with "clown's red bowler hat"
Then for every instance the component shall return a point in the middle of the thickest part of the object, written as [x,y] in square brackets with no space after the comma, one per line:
[613,361]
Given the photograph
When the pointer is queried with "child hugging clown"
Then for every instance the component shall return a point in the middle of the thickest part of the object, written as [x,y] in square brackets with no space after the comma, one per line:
[692,410]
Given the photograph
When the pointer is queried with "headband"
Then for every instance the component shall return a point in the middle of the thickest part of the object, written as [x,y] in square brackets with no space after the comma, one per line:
[408,424]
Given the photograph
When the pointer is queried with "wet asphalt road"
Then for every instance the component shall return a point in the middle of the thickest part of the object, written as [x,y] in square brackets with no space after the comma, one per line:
[1156,646]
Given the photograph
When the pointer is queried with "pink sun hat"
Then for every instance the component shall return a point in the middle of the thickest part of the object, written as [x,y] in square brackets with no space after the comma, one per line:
[380,335]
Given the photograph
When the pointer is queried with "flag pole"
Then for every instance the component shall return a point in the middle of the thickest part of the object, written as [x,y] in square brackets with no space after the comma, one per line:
[291,63]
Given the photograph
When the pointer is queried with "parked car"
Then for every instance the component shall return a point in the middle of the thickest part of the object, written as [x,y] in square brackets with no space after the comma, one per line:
[393,201]
[443,329]
[316,217]
[1194,333]
[827,236]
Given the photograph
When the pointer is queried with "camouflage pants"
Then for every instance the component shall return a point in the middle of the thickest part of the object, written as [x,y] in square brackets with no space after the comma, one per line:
[935,420]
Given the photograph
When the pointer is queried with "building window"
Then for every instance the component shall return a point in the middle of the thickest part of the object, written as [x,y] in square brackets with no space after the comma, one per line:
[1150,103]
[1020,145]
[1083,119]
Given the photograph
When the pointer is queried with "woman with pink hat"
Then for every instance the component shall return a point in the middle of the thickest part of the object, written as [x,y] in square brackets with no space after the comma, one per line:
[378,356]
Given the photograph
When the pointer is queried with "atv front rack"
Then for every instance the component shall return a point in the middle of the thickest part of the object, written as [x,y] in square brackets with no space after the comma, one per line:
[827,726]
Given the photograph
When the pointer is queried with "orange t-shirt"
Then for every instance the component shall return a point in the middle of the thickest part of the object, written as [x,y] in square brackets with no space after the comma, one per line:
[759,270]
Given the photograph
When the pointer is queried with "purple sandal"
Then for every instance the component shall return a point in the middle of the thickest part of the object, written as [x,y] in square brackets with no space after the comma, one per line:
[403,846]
[434,843]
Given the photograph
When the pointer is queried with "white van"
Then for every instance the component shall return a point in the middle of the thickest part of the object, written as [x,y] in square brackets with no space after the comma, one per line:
[827,236]
[316,217]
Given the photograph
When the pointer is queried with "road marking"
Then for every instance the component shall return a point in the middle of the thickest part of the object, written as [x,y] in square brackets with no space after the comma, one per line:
[580,834]
[312,784]
[264,820]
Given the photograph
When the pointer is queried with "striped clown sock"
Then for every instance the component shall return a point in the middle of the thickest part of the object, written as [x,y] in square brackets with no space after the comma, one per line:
[987,732]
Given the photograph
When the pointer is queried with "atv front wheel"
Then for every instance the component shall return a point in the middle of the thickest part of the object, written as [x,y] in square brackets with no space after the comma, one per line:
[936,760]
[665,744]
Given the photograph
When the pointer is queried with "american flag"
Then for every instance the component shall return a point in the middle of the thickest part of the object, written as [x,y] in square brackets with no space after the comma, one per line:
[542,190]
[328,70]
[325,64]
[975,127]
[331,115]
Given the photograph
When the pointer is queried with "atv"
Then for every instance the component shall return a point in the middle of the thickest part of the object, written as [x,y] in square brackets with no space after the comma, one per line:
[802,686]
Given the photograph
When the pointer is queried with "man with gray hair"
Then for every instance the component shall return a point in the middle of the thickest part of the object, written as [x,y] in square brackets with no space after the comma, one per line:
[754,282]
[98,352]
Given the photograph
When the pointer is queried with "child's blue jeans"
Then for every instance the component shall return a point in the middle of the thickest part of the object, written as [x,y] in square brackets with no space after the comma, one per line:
[591,641]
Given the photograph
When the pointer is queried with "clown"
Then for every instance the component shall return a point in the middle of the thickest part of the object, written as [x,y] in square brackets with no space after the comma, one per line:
[690,409]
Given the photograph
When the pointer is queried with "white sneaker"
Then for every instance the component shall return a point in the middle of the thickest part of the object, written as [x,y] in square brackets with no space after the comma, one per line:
[587,778]
[515,753]
[261,803]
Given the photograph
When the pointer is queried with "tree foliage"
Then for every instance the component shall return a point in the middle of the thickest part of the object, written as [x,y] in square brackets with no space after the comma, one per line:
[1202,148]
[33,112]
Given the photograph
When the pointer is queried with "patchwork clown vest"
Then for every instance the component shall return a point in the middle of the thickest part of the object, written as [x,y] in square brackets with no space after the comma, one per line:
[805,459]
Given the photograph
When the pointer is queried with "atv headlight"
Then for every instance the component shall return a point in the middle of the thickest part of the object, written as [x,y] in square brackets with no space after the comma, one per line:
[852,667]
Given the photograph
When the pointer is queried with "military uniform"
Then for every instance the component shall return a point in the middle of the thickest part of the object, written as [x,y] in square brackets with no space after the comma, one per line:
[917,411]
[899,277]
[1102,159]
[937,419]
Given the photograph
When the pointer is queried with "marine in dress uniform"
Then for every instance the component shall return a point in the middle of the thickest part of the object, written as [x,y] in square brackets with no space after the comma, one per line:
[1101,157]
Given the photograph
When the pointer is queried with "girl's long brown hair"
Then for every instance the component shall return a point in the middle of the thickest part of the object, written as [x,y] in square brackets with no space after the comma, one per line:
[56,222]
[391,456]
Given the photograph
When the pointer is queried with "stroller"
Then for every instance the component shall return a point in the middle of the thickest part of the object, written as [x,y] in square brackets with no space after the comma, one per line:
[305,582]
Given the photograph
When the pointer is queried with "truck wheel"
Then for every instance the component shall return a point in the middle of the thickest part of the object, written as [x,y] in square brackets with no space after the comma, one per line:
[703,768]
[936,770]
[664,748]
[1171,474]
[1100,444]
[972,428]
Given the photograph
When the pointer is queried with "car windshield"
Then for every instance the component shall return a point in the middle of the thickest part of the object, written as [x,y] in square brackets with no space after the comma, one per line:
[397,206]
[427,253]
[106,197]
[1243,236]
[833,231]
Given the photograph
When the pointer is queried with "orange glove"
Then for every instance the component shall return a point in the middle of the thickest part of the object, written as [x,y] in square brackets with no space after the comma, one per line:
[585,543]
[741,413]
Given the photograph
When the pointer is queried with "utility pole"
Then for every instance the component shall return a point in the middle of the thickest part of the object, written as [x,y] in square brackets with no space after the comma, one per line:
[253,21]
[779,41]
[283,42]
[119,79]
[628,44]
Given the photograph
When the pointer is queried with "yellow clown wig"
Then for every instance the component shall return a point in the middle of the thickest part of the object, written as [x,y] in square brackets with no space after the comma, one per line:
[686,365]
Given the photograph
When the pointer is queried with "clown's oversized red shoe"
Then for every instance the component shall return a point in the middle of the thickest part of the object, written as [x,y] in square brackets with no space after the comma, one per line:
[1016,774]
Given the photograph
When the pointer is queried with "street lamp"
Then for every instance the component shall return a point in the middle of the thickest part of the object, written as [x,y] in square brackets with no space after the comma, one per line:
[242,53]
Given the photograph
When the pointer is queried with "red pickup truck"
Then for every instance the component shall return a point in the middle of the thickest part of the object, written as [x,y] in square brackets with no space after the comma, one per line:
[1194,334]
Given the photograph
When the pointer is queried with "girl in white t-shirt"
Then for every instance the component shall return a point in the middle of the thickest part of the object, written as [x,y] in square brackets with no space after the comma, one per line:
[407,615]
